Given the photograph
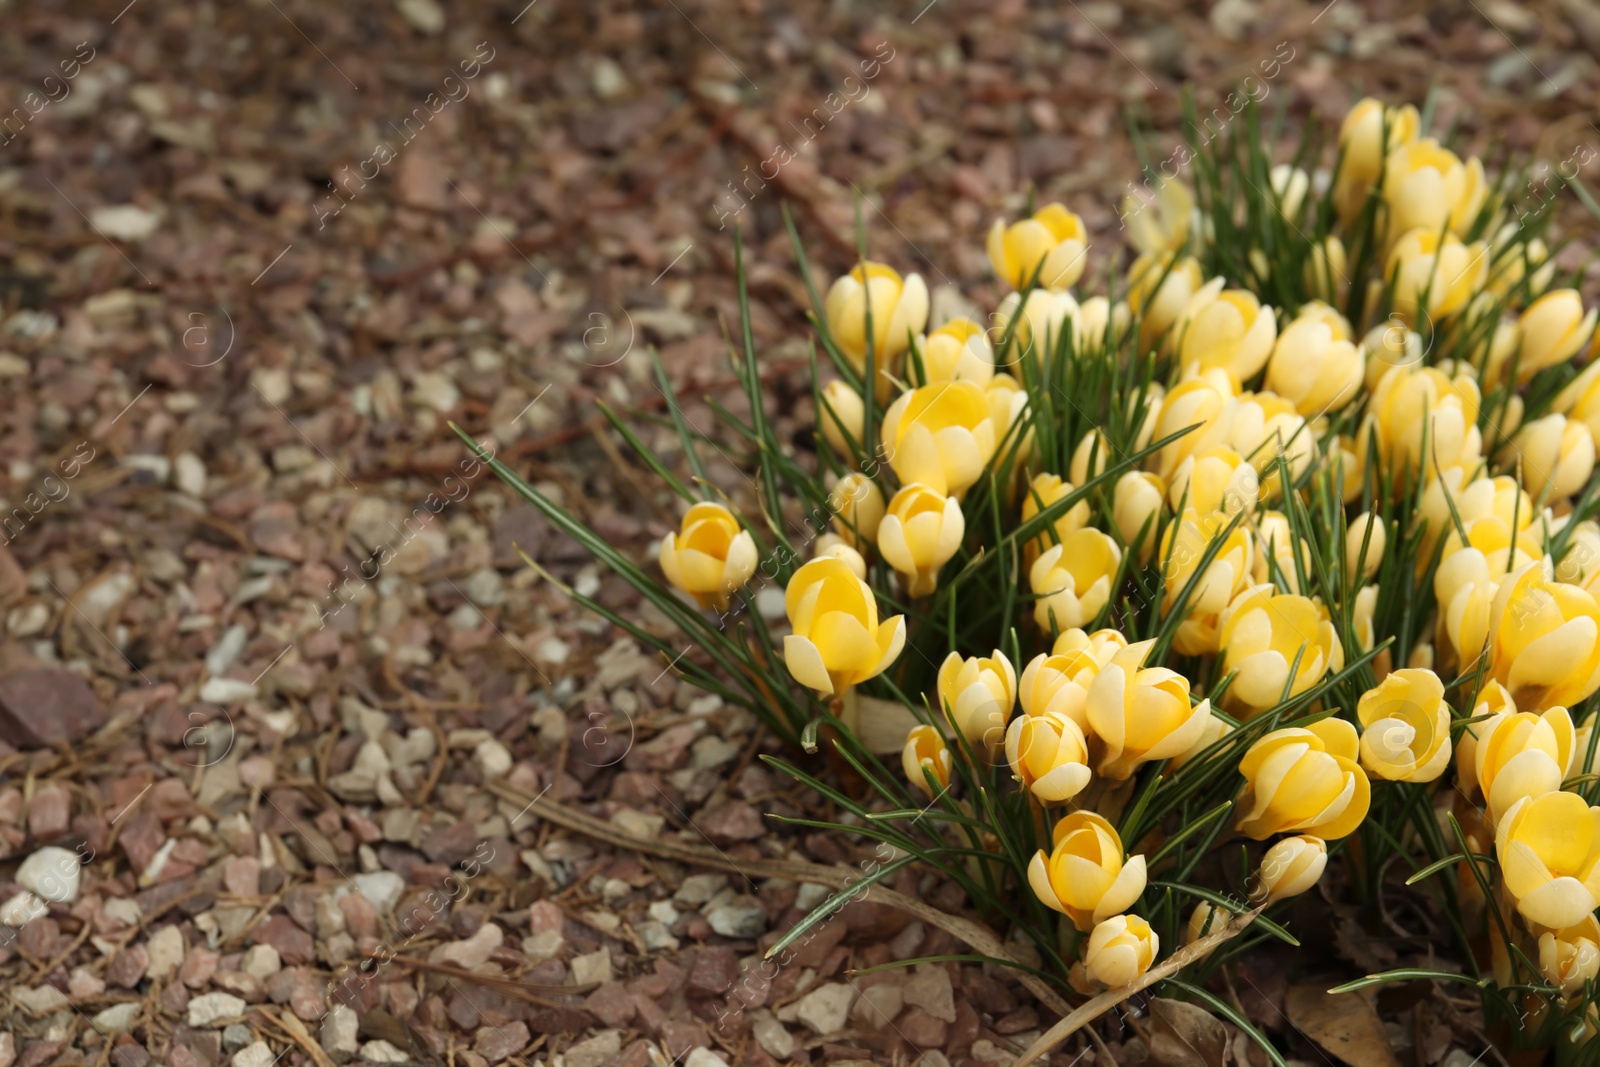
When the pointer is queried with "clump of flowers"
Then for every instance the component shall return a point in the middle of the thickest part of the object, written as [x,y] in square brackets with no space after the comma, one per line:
[1289,530]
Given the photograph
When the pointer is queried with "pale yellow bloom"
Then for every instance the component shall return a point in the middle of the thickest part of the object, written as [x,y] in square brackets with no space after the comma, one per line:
[1428,187]
[1388,345]
[1007,401]
[1072,580]
[842,416]
[1306,780]
[924,754]
[1264,426]
[1520,754]
[1159,223]
[1413,402]
[977,694]
[837,640]
[1545,646]
[1216,729]
[1120,950]
[1159,288]
[1214,479]
[958,349]
[1527,261]
[1042,322]
[1045,491]
[1136,509]
[1557,456]
[1200,402]
[1182,550]
[1366,606]
[831,545]
[1492,700]
[1049,755]
[1058,684]
[1289,868]
[899,310]
[1098,319]
[1496,503]
[940,435]
[920,532]
[1226,329]
[1051,247]
[1347,459]
[1139,714]
[1442,270]
[858,507]
[1262,634]
[1314,364]
[1363,551]
[1289,187]
[1569,958]
[1280,556]
[1549,848]
[1405,727]
[1326,271]
[1087,876]
[1580,400]
[1552,330]
[710,556]
[1369,133]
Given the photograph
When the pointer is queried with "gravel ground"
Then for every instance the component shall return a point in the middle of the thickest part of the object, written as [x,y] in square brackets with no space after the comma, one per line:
[266,636]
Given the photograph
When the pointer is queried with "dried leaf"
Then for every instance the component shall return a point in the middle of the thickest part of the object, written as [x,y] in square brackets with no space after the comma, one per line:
[1185,1035]
[1347,1025]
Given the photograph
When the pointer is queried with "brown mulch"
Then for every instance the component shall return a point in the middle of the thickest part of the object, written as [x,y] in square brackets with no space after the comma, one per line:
[265,637]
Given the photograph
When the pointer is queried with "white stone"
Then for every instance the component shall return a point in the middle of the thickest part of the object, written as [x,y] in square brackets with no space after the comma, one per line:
[189,474]
[825,1009]
[22,909]
[166,950]
[472,952]
[381,888]
[908,941]
[594,967]
[810,894]
[492,758]
[738,918]
[226,691]
[124,222]
[382,1052]
[878,1006]
[125,910]
[662,911]
[339,1029]
[424,15]
[929,989]
[255,1054]
[52,873]
[701,1056]
[212,1009]
[597,1051]
[699,888]
[42,1000]
[771,1035]
[261,961]
[656,937]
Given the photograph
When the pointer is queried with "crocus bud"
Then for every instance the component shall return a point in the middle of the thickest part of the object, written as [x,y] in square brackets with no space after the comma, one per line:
[899,311]
[1160,220]
[1557,457]
[1089,458]
[1314,365]
[1389,345]
[920,532]
[1443,270]
[925,754]
[1159,288]
[710,556]
[1072,580]
[1327,271]
[1552,331]
[1136,509]
[1304,780]
[1042,323]
[958,349]
[1522,263]
[1289,186]
[841,419]
[837,640]
[1370,132]
[1262,633]
[830,545]
[1227,329]
[1289,868]
[1098,322]
[1492,700]
[1366,607]
[1549,849]
[1049,755]
[977,695]
[1119,951]
[1570,958]
[857,505]
[1546,645]
[1197,402]
[1087,877]
[1051,247]
[1140,714]
[1428,187]
[1363,550]
[1215,478]
[1412,403]
[1204,921]
[1520,754]
[1044,491]
[1405,727]
[1183,549]
[940,435]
